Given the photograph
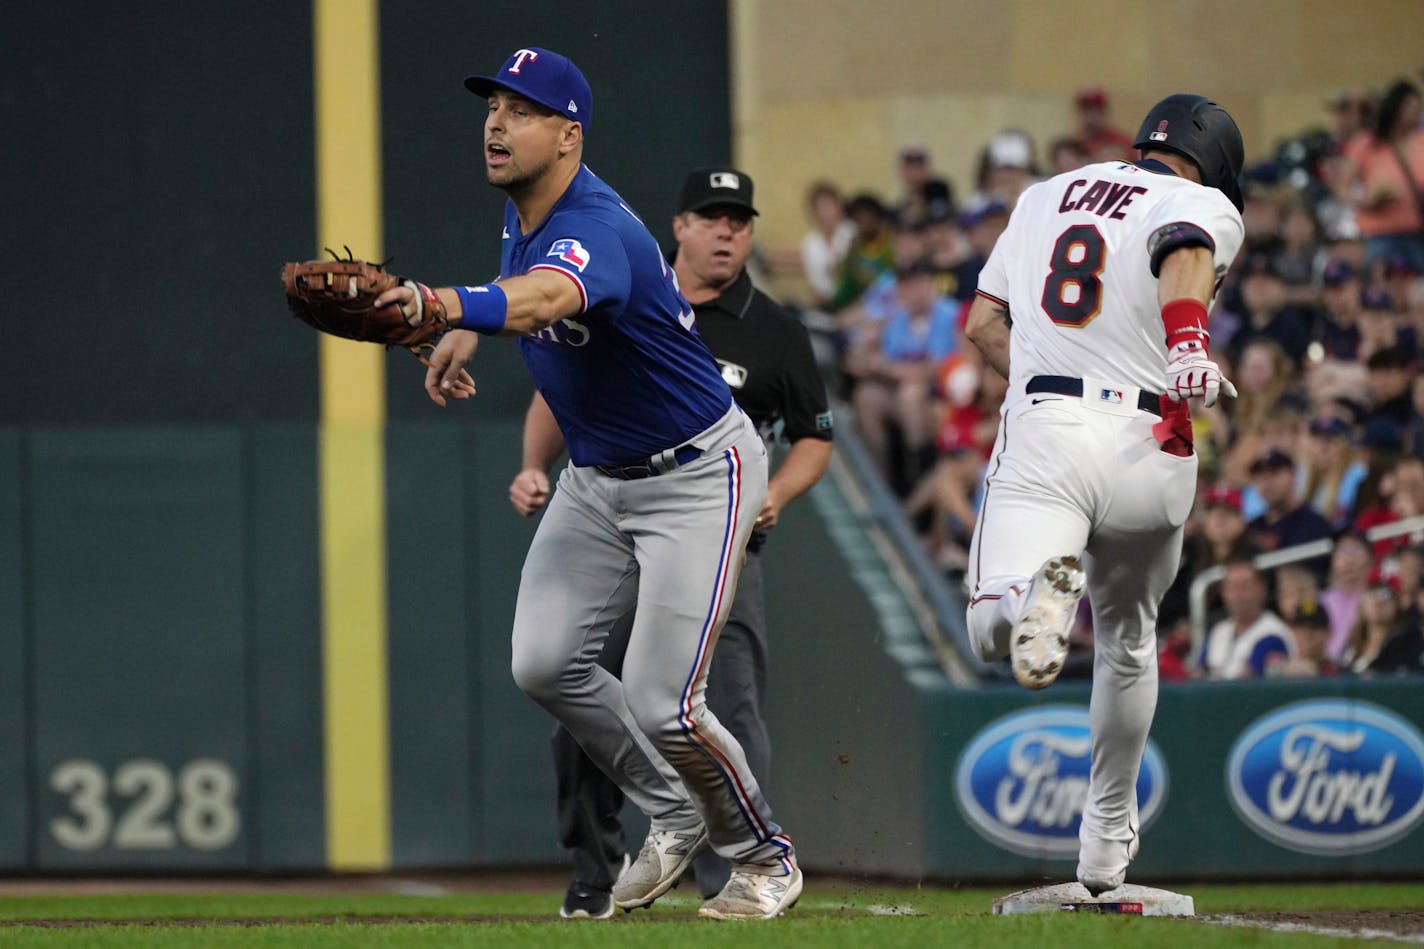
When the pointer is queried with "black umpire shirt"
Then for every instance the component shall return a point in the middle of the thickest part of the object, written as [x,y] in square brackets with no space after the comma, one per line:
[766,358]
[765,355]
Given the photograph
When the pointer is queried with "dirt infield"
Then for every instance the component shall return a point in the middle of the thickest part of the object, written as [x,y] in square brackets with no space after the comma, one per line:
[1405,926]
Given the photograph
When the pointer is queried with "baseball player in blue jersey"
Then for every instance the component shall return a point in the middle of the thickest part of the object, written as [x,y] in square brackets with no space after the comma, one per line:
[665,480]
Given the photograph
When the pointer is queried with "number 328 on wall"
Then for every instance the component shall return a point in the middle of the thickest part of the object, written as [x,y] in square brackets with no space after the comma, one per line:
[205,816]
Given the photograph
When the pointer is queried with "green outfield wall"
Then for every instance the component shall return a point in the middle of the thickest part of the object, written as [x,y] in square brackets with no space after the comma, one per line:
[161,692]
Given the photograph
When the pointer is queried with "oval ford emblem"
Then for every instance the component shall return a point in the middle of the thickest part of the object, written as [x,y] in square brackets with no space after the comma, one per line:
[1023,779]
[1328,776]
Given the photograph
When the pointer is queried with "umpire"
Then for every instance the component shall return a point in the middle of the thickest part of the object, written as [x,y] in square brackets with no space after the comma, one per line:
[766,358]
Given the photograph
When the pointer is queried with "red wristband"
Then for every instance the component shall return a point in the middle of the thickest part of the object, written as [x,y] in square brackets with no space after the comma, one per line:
[1185,318]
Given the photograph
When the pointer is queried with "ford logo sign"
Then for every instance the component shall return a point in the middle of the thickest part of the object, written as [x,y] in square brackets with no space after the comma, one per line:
[1328,776]
[1023,780]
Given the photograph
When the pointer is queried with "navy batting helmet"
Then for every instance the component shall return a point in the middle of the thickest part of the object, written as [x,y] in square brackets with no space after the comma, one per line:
[1198,129]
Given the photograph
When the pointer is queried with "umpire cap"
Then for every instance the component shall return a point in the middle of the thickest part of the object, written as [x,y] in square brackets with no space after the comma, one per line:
[1201,131]
[711,187]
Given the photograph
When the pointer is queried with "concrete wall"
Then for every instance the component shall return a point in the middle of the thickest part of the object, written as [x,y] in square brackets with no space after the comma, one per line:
[832,88]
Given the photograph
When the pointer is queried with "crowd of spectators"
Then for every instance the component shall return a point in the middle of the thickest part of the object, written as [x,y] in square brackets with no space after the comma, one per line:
[1320,324]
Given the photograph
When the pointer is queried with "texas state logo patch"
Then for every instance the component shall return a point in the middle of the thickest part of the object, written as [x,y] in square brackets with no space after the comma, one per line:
[569,251]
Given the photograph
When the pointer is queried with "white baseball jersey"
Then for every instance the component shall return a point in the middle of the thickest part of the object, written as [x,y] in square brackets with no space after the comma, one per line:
[1087,475]
[1074,270]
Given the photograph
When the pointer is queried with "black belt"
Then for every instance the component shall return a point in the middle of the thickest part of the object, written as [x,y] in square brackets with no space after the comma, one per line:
[1067,385]
[660,463]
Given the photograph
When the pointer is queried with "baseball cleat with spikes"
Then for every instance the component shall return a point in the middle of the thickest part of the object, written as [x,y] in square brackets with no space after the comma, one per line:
[756,891]
[1038,644]
[659,866]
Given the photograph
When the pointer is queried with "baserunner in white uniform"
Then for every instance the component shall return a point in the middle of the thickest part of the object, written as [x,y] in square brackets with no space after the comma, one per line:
[1094,305]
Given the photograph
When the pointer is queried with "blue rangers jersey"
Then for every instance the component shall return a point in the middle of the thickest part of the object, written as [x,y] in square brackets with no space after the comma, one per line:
[628,376]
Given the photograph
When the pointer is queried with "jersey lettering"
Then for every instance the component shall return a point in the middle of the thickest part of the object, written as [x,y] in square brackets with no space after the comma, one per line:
[1072,291]
[566,332]
[1103,198]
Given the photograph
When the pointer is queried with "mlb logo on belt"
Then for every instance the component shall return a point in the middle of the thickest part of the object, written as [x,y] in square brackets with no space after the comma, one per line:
[569,251]
[1111,395]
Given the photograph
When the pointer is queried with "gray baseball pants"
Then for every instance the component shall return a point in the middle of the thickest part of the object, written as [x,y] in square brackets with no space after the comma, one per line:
[669,547]
[589,801]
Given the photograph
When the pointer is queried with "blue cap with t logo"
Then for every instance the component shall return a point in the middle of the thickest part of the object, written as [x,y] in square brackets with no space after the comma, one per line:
[542,76]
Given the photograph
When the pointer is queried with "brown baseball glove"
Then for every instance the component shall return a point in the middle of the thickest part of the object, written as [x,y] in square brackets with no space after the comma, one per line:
[337,296]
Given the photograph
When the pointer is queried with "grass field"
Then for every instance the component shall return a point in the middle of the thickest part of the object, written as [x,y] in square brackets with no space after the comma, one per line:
[831,914]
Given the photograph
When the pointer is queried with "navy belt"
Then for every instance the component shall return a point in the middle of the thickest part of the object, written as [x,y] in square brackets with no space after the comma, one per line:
[661,463]
[1067,385]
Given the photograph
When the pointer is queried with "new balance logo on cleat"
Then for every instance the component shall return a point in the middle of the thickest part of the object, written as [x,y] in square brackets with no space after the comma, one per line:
[659,866]
[683,845]
[756,891]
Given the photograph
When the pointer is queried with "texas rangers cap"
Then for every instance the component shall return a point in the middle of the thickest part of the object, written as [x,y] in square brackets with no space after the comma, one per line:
[709,187]
[542,76]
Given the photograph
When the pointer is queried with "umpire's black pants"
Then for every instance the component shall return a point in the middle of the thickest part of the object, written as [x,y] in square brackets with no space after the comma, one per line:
[590,803]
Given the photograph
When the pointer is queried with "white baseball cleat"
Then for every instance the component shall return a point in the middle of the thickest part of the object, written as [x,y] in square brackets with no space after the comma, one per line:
[1096,856]
[660,864]
[1038,643]
[756,891]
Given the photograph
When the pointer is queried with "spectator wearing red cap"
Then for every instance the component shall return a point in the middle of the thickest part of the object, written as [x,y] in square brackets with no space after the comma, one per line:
[945,503]
[1099,139]
[1216,535]
[1400,495]
[1375,623]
